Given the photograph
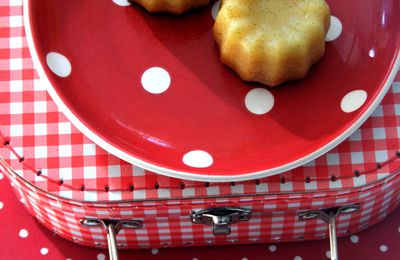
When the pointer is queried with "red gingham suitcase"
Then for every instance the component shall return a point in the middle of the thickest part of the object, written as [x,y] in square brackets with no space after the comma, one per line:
[84,194]
[69,184]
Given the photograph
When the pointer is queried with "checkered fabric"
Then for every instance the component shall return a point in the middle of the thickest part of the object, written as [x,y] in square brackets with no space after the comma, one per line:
[61,176]
[42,146]
[167,222]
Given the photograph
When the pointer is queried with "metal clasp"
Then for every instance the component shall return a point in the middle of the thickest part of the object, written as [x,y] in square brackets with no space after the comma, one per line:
[220,218]
[329,215]
[112,227]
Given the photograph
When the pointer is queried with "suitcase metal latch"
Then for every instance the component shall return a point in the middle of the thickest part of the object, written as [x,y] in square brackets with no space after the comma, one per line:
[220,218]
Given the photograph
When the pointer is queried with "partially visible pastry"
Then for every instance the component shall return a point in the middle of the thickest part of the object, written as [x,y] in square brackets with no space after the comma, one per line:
[170,6]
[272,41]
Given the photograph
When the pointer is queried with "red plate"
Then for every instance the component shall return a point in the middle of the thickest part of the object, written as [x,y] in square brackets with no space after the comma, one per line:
[151,89]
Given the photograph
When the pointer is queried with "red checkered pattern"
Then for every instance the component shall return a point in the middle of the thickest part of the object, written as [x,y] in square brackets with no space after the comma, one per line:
[61,176]
[167,222]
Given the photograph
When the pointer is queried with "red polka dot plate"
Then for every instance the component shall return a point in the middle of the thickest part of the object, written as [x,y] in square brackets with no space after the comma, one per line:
[152,90]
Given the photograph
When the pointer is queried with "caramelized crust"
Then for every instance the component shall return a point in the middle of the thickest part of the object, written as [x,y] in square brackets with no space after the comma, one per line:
[272,41]
[170,6]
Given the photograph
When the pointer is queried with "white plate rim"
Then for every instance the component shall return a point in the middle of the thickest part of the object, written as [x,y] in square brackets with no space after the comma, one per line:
[187,175]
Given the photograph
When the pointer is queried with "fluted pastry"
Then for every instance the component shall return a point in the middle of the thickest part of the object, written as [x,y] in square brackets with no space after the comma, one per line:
[170,6]
[271,41]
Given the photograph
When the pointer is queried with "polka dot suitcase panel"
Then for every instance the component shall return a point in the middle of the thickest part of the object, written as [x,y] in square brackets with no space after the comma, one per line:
[91,191]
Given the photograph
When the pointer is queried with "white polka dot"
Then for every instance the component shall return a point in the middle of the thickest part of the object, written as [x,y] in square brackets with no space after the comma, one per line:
[198,159]
[298,258]
[22,201]
[1,205]
[215,9]
[154,251]
[156,80]
[23,233]
[121,2]
[195,258]
[272,248]
[328,254]
[44,251]
[101,256]
[59,64]
[1,176]
[335,30]
[383,248]
[354,239]
[245,258]
[259,101]
[372,53]
[353,101]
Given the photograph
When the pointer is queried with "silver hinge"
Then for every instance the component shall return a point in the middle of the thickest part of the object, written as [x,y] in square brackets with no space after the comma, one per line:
[329,215]
[220,218]
[112,227]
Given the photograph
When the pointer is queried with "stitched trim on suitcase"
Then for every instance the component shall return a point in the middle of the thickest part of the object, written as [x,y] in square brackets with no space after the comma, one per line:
[282,195]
